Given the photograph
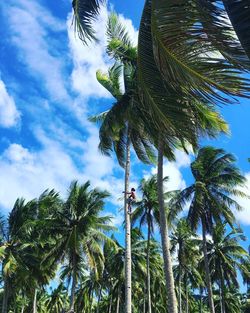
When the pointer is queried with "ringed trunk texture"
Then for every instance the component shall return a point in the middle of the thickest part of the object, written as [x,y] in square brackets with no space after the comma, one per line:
[207,273]
[148,271]
[5,296]
[35,302]
[128,272]
[171,297]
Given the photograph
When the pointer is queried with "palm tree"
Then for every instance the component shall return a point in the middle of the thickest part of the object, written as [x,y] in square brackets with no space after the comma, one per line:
[78,231]
[216,181]
[120,127]
[13,239]
[226,257]
[57,300]
[184,244]
[147,213]
[171,121]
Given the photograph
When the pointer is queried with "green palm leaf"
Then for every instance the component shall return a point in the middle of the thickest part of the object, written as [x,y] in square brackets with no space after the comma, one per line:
[188,58]
[85,13]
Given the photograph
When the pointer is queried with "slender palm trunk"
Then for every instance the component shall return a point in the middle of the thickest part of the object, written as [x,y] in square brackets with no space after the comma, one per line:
[73,286]
[144,302]
[207,273]
[179,291]
[35,302]
[222,291]
[187,300]
[128,272]
[118,301]
[110,304]
[22,310]
[171,297]
[5,296]
[180,277]
[148,270]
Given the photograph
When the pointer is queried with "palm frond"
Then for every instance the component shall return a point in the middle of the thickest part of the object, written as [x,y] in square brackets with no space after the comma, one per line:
[85,13]
[187,58]
[239,14]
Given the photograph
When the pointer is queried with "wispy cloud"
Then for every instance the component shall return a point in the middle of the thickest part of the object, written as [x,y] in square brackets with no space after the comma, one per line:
[62,71]
[30,29]
[9,115]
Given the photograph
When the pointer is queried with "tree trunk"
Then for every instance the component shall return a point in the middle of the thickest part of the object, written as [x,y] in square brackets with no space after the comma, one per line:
[148,270]
[73,286]
[110,304]
[180,276]
[128,272]
[179,290]
[207,273]
[22,310]
[187,299]
[5,296]
[118,301]
[171,297]
[35,302]
[222,291]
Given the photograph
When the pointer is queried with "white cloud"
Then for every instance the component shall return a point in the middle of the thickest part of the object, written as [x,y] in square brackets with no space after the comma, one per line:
[172,170]
[88,59]
[67,151]
[9,115]
[29,24]
[244,215]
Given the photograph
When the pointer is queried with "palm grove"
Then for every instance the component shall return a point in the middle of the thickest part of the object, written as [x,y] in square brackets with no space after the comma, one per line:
[166,90]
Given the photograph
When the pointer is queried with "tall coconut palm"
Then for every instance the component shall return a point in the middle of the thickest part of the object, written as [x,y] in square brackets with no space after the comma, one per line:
[119,130]
[78,231]
[226,257]
[216,180]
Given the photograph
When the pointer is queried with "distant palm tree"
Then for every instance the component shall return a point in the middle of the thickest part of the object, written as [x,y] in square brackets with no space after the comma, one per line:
[78,231]
[57,300]
[147,213]
[226,256]
[14,238]
[184,244]
[216,181]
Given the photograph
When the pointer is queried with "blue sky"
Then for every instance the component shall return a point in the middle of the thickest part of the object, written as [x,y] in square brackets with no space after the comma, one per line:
[47,91]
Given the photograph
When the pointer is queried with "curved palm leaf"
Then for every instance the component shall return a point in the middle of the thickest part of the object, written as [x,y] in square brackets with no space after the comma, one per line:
[85,13]
[188,59]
